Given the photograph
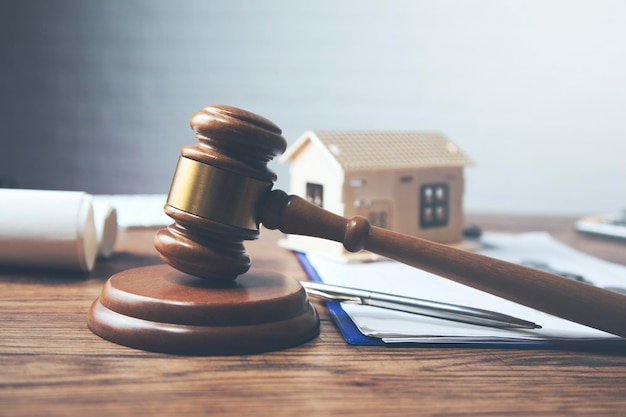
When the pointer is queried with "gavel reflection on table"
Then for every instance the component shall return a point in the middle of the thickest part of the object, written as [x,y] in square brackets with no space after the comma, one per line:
[206,301]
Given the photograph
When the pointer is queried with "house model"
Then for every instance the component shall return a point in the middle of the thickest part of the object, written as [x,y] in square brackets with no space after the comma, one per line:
[408,182]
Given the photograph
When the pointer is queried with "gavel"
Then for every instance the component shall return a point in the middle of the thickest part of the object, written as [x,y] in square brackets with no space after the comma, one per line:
[221,192]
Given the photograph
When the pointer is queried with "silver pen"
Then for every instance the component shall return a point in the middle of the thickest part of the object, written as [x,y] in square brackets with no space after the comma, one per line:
[428,308]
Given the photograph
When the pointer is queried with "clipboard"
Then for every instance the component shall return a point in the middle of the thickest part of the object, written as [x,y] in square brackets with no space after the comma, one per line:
[354,336]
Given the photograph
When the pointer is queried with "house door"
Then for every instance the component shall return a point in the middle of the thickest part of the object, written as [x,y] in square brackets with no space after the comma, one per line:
[378,212]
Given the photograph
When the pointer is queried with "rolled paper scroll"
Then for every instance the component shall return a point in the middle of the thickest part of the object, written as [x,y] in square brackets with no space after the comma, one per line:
[105,219]
[47,229]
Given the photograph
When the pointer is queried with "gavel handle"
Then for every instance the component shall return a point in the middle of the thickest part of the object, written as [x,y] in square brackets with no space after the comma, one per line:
[562,297]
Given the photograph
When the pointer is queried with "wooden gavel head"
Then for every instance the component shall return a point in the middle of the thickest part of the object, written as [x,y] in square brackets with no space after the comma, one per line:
[216,190]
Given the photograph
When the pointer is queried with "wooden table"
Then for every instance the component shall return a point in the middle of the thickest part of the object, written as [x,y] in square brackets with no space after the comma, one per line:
[51,364]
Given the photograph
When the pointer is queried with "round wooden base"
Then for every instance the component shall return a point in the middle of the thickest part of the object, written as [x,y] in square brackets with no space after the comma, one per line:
[161,309]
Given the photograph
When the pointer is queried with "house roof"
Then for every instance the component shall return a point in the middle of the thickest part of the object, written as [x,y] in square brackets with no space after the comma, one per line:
[356,150]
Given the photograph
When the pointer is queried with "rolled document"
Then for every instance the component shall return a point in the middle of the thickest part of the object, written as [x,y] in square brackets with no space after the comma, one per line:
[47,229]
[105,219]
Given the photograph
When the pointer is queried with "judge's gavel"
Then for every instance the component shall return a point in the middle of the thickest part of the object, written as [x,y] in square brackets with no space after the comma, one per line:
[220,194]
[237,194]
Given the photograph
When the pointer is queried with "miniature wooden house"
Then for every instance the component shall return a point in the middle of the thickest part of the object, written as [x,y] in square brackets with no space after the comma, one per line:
[409,182]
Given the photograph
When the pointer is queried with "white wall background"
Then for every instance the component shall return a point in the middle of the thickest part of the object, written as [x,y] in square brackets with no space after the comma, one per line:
[96,96]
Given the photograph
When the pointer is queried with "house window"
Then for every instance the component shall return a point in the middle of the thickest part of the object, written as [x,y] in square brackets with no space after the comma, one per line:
[357,182]
[434,205]
[315,194]
[378,218]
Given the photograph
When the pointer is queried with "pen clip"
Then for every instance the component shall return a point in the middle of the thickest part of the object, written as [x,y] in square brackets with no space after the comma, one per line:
[428,308]
[333,297]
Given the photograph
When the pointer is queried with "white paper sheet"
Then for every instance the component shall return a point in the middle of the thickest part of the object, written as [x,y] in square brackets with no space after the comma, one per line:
[395,278]
[137,210]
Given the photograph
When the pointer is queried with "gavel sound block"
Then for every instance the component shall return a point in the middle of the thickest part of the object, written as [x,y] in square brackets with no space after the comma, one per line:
[221,192]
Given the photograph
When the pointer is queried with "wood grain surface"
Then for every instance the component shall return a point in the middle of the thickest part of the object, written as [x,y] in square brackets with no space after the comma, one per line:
[51,364]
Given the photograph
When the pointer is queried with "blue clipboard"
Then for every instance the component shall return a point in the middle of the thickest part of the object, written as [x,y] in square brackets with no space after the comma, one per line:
[353,335]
